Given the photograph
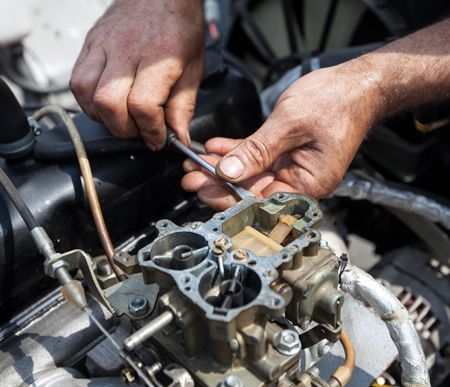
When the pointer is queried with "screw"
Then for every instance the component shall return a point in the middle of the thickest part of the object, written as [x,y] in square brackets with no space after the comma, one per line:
[323,348]
[103,268]
[220,245]
[138,306]
[287,342]
[128,376]
[240,255]
[234,345]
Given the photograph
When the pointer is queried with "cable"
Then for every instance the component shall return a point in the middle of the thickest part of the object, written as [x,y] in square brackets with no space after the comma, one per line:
[88,183]
[10,190]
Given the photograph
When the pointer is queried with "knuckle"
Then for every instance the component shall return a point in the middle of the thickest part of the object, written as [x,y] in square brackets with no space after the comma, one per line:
[77,85]
[258,152]
[104,102]
[141,108]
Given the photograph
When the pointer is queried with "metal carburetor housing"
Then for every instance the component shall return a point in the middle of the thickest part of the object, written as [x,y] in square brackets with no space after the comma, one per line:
[242,289]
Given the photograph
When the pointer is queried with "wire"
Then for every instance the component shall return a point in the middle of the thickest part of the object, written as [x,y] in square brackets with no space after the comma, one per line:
[10,190]
[119,348]
[88,183]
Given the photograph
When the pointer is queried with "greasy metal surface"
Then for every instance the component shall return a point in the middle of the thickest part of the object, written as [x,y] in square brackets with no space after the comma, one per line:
[52,339]
[120,294]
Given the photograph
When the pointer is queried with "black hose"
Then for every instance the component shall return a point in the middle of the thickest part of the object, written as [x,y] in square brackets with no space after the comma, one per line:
[11,191]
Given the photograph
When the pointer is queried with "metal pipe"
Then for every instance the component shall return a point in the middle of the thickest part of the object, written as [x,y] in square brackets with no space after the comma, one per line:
[89,184]
[344,373]
[148,330]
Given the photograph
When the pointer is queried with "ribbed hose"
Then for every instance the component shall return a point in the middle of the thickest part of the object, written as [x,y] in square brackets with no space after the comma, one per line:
[377,193]
[362,286]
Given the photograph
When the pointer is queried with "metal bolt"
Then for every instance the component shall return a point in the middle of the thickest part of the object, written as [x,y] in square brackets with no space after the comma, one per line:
[287,342]
[138,306]
[240,255]
[323,348]
[220,245]
[232,381]
[128,376]
[103,268]
[234,345]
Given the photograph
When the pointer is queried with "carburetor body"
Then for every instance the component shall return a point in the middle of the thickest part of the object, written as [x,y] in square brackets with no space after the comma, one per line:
[243,294]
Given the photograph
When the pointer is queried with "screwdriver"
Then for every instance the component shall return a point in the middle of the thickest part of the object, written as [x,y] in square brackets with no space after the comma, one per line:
[173,140]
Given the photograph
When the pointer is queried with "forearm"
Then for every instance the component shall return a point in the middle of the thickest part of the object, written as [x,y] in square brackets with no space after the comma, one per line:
[411,71]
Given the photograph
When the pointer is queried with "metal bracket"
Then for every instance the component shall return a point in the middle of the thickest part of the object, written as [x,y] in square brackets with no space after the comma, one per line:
[78,259]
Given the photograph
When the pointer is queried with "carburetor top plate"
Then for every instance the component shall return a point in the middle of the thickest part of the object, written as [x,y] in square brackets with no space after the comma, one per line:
[218,265]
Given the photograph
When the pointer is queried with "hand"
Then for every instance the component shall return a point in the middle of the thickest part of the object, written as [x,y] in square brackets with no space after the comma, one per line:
[140,68]
[305,145]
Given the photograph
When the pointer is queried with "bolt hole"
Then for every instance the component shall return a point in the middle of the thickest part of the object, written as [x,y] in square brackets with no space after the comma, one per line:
[185,280]
[164,224]
[220,217]
[276,302]
[252,262]
[280,196]
[187,288]
[285,255]
[315,214]
[215,229]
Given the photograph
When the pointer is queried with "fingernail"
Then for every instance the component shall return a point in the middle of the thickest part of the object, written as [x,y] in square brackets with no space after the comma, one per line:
[151,146]
[232,167]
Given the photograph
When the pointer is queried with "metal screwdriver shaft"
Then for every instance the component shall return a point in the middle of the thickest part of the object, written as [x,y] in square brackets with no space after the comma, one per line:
[239,191]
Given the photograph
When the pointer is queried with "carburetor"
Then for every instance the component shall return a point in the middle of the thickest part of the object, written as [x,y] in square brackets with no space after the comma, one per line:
[243,294]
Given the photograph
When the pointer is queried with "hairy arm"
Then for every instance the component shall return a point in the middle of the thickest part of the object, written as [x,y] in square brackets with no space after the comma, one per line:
[319,122]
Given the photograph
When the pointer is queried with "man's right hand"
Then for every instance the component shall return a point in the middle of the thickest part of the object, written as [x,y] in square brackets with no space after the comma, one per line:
[140,68]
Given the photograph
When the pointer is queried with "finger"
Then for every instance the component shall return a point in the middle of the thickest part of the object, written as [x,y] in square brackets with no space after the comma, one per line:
[221,145]
[190,165]
[257,153]
[148,95]
[277,186]
[110,97]
[84,79]
[197,180]
[180,106]
[217,198]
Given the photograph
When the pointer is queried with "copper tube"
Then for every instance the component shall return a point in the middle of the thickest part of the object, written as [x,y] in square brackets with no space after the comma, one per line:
[89,184]
[344,373]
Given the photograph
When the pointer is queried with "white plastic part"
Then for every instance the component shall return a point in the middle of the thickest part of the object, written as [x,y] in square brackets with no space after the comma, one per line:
[15,21]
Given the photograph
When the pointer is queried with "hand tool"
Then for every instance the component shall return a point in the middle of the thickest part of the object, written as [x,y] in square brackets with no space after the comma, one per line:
[237,190]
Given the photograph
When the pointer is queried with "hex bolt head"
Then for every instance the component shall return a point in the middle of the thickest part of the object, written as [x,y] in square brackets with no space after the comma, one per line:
[104,268]
[240,255]
[138,306]
[287,342]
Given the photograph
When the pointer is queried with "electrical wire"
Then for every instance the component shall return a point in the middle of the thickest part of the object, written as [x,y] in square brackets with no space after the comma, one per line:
[11,191]
[88,183]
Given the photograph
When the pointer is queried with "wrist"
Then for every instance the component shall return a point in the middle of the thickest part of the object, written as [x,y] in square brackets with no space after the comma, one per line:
[365,91]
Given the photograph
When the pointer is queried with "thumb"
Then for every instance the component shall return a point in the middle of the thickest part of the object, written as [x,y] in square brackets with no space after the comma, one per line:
[252,156]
